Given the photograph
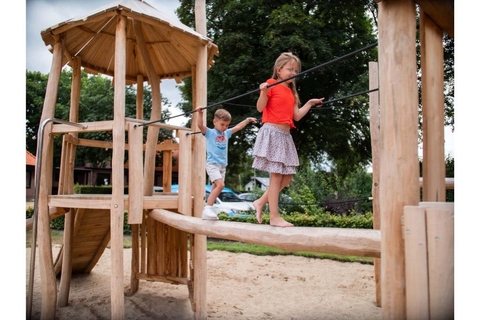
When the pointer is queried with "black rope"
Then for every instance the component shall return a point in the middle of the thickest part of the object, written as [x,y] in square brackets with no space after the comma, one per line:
[326,102]
[270,85]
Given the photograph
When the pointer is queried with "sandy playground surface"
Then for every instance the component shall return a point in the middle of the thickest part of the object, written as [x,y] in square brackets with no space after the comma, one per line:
[239,286]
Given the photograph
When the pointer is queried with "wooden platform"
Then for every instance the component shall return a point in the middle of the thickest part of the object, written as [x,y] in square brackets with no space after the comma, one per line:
[104,201]
[91,233]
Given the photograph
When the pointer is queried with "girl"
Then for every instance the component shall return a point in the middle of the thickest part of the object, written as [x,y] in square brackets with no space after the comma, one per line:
[274,149]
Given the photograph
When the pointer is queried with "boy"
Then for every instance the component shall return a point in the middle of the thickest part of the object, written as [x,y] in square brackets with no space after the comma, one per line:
[217,153]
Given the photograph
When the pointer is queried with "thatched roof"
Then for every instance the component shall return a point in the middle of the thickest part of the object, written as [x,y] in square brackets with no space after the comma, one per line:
[172,46]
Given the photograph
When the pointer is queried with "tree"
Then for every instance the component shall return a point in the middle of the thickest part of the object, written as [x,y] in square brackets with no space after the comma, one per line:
[96,104]
[251,34]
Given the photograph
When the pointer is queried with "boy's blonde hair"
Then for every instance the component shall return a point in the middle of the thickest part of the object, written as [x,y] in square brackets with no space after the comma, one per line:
[222,114]
[283,59]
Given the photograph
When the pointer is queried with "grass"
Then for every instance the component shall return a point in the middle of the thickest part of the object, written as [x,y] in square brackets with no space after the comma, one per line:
[234,247]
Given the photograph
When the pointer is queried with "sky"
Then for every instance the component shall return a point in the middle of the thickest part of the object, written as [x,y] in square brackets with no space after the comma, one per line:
[23,49]
[39,58]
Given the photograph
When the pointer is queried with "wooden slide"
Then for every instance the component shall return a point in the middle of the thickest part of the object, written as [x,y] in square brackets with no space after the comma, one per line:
[91,235]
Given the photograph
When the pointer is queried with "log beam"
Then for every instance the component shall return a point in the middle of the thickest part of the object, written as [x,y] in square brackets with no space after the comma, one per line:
[344,241]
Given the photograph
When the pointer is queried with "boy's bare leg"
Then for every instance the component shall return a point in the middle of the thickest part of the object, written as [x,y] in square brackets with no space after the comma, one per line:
[277,183]
[217,187]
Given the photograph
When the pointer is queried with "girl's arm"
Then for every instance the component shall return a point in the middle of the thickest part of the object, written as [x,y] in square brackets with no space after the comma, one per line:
[263,99]
[299,113]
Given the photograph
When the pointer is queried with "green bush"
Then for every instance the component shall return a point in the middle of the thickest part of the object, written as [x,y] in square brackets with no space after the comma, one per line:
[325,220]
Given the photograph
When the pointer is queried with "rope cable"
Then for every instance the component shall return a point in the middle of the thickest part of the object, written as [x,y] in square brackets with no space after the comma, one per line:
[270,85]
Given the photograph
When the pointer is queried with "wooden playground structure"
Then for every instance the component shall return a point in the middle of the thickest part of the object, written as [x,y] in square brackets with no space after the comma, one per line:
[133,42]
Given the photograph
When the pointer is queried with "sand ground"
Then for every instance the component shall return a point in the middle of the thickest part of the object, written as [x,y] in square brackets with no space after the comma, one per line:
[239,286]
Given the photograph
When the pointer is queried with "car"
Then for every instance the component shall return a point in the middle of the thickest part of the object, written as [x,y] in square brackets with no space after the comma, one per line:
[248,196]
[227,202]
[285,203]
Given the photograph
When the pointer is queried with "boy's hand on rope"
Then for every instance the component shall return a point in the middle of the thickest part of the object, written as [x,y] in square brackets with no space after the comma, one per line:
[251,119]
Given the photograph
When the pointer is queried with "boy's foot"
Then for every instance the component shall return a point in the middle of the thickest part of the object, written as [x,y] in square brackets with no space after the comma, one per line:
[280,222]
[258,209]
[209,214]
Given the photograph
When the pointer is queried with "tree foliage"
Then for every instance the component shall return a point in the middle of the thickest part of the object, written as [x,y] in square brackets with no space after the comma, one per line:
[96,104]
[251,34]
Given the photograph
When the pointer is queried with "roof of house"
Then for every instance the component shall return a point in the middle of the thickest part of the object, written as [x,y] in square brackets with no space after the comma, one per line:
[264,181]
[31,160]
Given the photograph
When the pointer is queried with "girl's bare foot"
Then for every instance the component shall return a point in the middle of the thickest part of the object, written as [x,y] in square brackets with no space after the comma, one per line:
[258,208]
[279,222]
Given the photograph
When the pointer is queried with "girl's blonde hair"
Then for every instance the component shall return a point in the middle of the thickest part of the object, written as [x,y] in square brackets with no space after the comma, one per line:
[283,59]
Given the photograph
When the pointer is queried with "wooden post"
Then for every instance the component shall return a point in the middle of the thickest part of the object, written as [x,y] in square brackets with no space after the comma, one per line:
[117,208]
[185,173]
[64,287]
[399,169]
[375,142]
[47,275]
[139,104]
[167,167]
[156,113]
[431,37]
[198,172]
[135,173]
[134,281]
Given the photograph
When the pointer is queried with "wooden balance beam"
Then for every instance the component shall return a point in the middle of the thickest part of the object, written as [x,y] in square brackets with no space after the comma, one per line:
[343,241]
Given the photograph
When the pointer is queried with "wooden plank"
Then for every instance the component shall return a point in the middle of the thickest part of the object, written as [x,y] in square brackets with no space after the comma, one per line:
[433,99]
[167,167]
[167,279]
[161,253]
[87,127]
[135,174]
[158,201]
[184,174]
[440,237]
[449,184]
[442,12]
[355,242]
[416,263]
[159,125]
[134,265]
[151,246]
[98,253]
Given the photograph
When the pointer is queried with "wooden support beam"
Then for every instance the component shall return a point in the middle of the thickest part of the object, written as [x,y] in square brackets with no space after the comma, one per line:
[118,154]
[433,99]
[354,242]
[398,168]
